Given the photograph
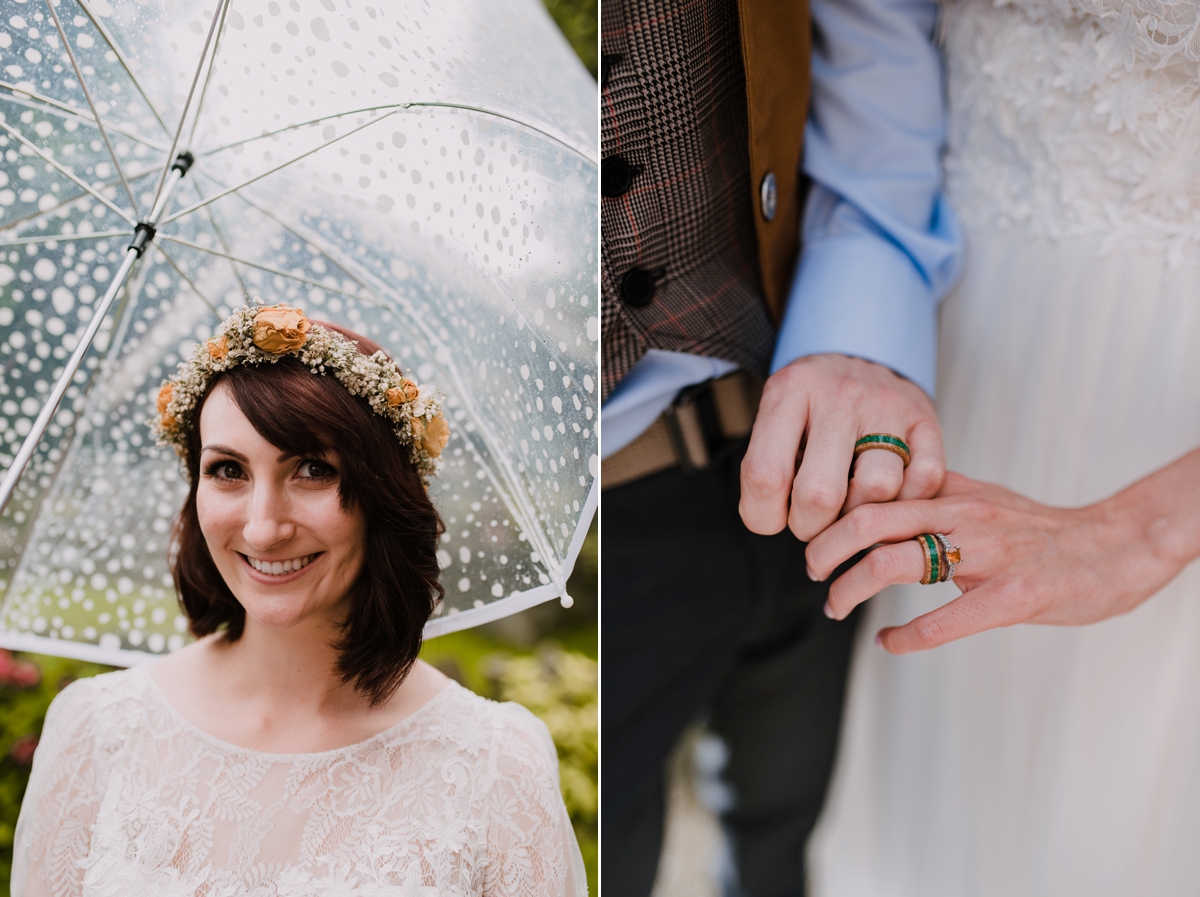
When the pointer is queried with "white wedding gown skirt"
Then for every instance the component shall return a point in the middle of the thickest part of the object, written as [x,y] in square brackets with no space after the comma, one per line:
[1044,761]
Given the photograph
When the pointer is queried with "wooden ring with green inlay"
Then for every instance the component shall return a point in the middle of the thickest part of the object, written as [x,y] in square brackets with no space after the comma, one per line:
[933,558]
[884,441]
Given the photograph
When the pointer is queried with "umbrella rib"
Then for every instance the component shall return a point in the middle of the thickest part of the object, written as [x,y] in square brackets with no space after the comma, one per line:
[67,202]
[87,95]
[267,268]
[314,239]
[187,104]
[112,45]
[21,137]
[220,236]
[65,238]
[225,245]
[557,138]
[187,280]
[269,171]
[78,113]
[208,77]
[311,121]
[410,105]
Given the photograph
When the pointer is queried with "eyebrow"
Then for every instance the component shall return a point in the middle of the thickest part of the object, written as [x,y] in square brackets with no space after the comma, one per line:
[223,450]
[226,450]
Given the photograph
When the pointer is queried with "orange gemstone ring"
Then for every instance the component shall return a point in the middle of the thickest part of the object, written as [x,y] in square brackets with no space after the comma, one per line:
[951,556]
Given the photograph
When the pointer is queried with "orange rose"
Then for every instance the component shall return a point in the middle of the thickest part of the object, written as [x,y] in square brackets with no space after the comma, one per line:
[164,397]
[431,437]
[406,392]
[279,329]
[218,348]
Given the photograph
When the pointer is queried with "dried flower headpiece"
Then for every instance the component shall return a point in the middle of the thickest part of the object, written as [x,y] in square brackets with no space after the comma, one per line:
[263,335]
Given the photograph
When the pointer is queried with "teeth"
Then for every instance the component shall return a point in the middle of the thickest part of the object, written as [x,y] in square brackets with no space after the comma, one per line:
[277,568]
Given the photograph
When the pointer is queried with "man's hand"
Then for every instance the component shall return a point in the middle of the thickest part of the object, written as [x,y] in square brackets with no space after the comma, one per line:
[812,412]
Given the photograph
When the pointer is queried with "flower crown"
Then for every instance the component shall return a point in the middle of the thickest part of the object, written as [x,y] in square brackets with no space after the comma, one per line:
[265,334]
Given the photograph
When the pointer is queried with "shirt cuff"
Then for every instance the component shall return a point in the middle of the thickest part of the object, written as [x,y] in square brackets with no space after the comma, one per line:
[861,296]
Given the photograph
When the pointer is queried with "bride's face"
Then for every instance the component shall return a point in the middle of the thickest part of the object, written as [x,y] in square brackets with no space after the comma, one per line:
[274,525]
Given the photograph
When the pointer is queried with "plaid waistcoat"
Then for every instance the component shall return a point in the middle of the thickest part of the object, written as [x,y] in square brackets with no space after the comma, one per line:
[701,100]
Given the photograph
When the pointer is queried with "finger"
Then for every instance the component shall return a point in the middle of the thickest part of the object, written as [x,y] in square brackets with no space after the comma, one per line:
[878,476]
[884,566]
[819,490]
[957,484]
[770,460]
[927,467]
[869,524]
[972,612]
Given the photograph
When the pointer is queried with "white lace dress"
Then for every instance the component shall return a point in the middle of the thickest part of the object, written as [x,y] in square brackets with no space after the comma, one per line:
[1049,761]
[129,799]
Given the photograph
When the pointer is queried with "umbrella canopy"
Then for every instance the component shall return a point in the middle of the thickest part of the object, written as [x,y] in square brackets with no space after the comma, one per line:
[422,173]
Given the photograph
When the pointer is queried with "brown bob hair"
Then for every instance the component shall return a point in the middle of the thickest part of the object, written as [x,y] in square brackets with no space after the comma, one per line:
[398,586]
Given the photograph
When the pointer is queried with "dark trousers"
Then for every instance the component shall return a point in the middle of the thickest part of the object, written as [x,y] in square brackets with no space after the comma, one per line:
[700,616]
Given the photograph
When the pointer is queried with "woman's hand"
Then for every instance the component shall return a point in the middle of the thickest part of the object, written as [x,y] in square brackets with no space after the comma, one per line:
[1022,562]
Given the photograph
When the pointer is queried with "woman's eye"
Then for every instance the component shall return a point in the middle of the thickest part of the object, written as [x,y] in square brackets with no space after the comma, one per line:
[315,470]
[224,470]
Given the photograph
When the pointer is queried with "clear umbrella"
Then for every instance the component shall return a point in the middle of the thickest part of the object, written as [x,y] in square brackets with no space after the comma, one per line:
[423,173]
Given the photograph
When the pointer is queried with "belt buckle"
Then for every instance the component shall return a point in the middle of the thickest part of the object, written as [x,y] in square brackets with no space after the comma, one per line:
[694,427]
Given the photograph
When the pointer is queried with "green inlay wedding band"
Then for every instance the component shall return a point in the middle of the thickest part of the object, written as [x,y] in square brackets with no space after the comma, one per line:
[884,441]
[929,547]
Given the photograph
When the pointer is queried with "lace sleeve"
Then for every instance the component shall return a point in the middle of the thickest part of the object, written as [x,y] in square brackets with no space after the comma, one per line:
[54,829]
[532,851]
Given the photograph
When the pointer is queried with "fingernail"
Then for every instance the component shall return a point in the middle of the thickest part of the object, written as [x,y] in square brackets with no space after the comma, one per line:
[879,639]
[829,611]
[811,575]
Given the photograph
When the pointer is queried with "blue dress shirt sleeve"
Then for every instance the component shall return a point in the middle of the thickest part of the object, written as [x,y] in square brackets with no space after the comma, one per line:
[880,243]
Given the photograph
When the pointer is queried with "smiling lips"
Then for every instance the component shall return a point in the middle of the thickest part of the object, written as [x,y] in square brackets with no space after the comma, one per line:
[279,568]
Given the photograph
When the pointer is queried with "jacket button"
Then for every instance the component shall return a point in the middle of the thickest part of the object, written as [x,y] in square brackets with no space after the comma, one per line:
[637,287]
[616,177]
[768,196]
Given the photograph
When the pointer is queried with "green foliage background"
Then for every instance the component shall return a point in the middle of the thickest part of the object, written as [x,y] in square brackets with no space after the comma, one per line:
[579,20]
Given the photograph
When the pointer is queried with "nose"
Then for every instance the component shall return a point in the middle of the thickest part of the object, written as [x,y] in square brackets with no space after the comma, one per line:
[269,520]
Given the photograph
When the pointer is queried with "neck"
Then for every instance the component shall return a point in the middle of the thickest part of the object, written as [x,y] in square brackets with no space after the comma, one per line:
[292,669]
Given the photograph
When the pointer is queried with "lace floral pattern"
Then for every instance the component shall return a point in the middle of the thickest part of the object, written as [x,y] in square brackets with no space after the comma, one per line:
[1073,118]
[128,799]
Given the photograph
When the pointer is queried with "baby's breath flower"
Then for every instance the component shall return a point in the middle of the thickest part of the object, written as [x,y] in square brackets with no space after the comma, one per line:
[256,335]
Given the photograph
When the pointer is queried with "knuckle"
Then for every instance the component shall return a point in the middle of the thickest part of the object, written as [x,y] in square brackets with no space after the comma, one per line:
[883,565]
[977,507]
[866,520]
[929,633]
[760,482]
[926,474]
[878,485]
[821,496]
[847,389]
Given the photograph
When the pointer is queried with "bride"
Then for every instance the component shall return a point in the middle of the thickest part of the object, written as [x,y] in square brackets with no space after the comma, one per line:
[299,747]
[1045,760]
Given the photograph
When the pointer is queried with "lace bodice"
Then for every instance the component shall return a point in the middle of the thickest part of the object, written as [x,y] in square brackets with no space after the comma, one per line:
[129,799]
[1076,117]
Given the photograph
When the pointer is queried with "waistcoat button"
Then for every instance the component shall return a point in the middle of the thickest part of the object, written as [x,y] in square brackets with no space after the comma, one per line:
[637,287]
[616,177]
[767,196]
